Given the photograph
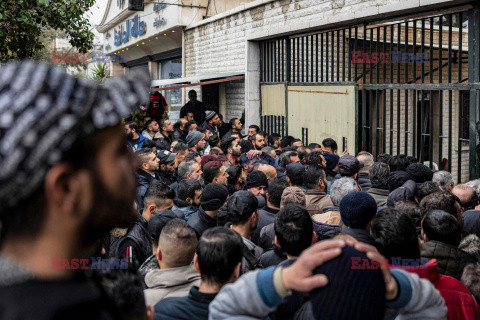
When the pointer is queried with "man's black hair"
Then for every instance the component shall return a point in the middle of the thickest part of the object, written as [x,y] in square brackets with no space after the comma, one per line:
[272,138]
[275,190]
[210,173]
[398,163]
[213,140]
[314,158]
[412,209]
[312,146]
[156,192]
[189,124]
[411,159]
[191,156]
[378,174]
[187,187]
[180,148]
[253,126]
[124,289]
[286,141]
[441,200]
[395,235]
[192,91]
[234,174]
[285,160]
[295,140]
[232,122]
[383,157]
[226,144]
[148,123]
[297,181]
[425,189]
[293,229]
[312,175]
[302,152]
[132,125]
[330,143]
[161,124]
[259,133]
[219,251]
[439,225]
[149,144]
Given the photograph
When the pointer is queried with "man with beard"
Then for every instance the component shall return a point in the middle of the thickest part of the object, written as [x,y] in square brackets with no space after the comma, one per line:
[236,126]
[163,138]
[134,139]
[63,185]
[167,166]
[151,128]
[258,140]
[196,141]
[197,108]
[146,173]
[232,150]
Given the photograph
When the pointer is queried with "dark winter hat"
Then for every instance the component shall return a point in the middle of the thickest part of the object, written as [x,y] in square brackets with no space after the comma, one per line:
[241,205]
[193,138]
[158,221]
[420,172]
[166,156]
[357,209]
[348,165]
[213,196]
[396,179]
[256,178]
[58,109]
[295,170]
[352,292]
[331,159]
[405,192]
[209,115]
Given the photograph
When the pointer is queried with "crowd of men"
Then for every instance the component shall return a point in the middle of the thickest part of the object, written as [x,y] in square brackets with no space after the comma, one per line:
[199,221]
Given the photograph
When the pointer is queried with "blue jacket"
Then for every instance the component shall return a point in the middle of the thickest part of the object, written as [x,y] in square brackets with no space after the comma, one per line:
[185,207]
[143,182]
[139,144]
[193,306]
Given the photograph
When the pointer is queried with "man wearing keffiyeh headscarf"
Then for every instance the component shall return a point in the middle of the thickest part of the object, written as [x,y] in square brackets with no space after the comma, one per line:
[63,185]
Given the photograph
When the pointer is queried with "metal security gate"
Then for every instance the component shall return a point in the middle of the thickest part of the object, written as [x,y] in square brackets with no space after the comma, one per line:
[418,81]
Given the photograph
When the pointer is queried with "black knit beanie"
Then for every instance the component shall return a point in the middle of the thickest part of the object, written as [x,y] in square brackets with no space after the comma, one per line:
[213,196]
[256,178]
[396,179]
[420,172]
[354,291]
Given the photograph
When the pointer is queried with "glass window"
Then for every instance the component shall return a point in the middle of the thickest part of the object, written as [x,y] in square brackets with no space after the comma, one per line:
[171,69]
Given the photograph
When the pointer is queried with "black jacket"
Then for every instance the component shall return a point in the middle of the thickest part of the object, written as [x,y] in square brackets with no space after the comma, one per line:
[224,129]
[163,143]
[272,257]
[78,298]
[143,182]
[451,260]
[138,238]
[178,135]
[200,221]
[267,216]
[193,306]
[359,234]
[198,109]
[167,177]
[324,230]
[364,181]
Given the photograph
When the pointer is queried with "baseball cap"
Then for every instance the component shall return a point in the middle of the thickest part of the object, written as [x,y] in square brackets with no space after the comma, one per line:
[166,156]
[348,165]
[242,204]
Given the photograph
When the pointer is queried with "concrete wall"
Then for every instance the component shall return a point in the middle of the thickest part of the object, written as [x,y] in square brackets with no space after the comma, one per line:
[223,42]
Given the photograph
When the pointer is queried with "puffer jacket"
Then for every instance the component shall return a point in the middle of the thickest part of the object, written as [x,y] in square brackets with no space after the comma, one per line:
[185,207]
[451,260]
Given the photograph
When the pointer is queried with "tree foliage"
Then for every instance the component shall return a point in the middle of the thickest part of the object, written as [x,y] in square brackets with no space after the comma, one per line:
[99,72]
[22,23]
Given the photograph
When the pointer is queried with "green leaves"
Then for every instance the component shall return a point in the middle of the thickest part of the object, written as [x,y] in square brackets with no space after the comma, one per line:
[22,23]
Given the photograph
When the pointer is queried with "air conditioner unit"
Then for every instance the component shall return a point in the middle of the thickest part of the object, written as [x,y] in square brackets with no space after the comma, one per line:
[136,5]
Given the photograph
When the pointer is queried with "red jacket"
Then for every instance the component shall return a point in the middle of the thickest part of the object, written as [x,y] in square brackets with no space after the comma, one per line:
[459,301]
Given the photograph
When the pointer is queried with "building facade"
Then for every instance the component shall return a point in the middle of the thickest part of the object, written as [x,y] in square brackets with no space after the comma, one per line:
[304,74]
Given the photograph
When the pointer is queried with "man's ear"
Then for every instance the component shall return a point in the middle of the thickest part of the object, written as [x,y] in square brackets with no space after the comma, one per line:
[288,180]
[195,263]
[162,167]
[189,200]
[189,176]
[236,271]
[320,184]
[66,188]
[150,313]
[159,253]
[355,176]
[425,238]
[268,197]
[314,237]
[276,242]
[152,207]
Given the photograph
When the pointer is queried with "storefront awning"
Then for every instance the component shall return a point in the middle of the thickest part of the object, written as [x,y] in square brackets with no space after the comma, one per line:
[199,80]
